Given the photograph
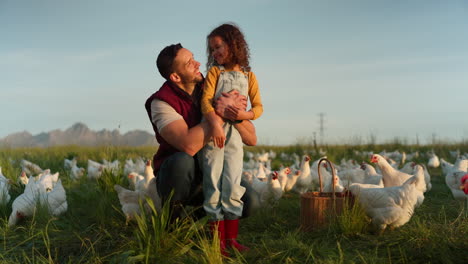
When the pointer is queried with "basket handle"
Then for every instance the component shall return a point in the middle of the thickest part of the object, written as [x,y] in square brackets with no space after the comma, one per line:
[333,174]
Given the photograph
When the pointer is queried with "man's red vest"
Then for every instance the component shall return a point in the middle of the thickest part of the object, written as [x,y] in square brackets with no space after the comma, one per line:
[188,106]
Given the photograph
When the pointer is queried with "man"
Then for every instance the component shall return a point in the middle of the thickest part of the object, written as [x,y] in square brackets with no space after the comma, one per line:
[174,112]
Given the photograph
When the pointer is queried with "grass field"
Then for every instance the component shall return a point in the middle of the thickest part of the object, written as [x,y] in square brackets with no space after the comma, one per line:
[93,229]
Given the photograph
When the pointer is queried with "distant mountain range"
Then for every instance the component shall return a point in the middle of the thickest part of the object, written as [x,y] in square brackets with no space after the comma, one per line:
[79,134]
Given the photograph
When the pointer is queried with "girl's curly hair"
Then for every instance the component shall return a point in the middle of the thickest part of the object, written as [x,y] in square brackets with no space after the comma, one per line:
[238,48]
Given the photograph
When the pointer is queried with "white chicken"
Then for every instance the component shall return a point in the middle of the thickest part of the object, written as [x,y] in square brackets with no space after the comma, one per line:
[338,185]
[427,178]
[371,175]
[271,154]
[250,165]
[112,166]
[4,189]
[1,174]
[130,200]
[76,172]
[291,182]
[389,206]
[325,175]
[94,169]
[45,189]
[25,204]
[392,163]
[433,160]
[129,167]
[261,172]
[138,166]
[411,156]
[420,183]
[403,158]
[133,178]
[152,193]
[296,161]
[249,154]
[322,152]
[347,164]
[390,176]
[352,175]
[454,153]
[68,164]
[247,176]
[328,185]
[283,177]
[23,178]
[264,157]
[397,156]
[142,185]
[269,191]
[446,166]
[30,168]
[454,176]
[257,184]
[46,180]
[408,167]
[57,199]
[304,181]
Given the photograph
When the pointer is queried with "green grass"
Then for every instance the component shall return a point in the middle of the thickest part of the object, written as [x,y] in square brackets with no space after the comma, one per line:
[93,229]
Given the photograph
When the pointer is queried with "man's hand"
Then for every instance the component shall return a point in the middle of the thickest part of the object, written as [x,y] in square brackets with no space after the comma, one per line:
[233,113]
[229,105]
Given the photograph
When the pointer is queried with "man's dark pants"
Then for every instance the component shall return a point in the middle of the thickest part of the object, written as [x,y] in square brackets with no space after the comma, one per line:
[181,172]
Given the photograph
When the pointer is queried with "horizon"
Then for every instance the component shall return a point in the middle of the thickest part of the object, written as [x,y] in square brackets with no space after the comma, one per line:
[370,140]
[377,69]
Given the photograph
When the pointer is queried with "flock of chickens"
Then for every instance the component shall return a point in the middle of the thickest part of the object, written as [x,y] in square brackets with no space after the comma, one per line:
[388,193]
[46,190]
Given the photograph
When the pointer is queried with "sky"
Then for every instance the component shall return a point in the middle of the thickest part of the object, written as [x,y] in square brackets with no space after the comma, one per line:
[373,70]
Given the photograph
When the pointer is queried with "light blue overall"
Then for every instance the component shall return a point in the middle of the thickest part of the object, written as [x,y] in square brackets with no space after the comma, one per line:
[222,167]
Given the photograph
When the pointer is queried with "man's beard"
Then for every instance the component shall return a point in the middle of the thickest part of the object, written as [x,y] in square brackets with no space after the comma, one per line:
[195,80]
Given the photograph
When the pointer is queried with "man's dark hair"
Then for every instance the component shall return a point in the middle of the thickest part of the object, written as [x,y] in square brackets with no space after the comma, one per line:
[165,60]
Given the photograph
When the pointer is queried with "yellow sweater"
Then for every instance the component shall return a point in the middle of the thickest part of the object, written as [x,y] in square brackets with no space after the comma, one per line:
[211,81]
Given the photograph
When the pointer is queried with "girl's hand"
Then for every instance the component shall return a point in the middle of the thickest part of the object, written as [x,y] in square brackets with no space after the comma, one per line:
[218,136]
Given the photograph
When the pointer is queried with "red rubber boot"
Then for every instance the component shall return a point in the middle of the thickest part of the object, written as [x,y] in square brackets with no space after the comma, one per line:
[231,231]
[219,226]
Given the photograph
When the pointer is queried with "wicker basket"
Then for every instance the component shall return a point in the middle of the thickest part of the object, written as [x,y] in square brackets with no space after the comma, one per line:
[317,208]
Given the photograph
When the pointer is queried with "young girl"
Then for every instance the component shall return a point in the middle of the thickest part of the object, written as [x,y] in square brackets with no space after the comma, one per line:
[228,64]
